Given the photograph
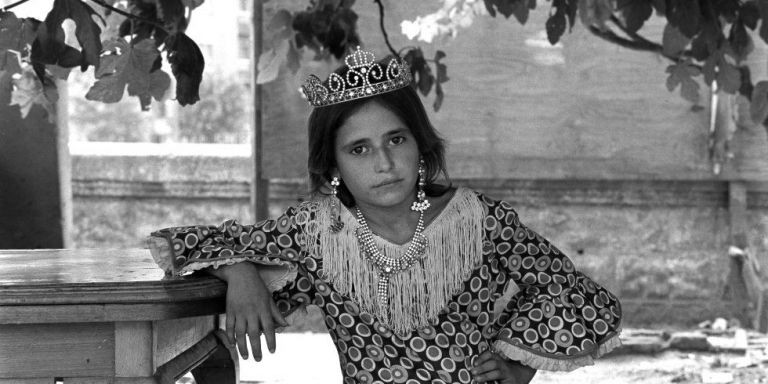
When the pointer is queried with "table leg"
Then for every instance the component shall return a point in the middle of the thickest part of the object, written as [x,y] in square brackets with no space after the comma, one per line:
[220,367]
[210,360]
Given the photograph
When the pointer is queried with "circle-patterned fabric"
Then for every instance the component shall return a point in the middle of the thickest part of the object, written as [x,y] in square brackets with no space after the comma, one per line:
[558,313]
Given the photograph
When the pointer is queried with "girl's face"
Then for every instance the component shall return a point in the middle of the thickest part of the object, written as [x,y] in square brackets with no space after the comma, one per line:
[377,157]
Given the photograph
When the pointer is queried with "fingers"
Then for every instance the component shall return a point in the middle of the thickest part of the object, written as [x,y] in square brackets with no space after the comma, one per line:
[254,333]
[489,376]
[485,356]
[242,345]
[230,328]
[486,367]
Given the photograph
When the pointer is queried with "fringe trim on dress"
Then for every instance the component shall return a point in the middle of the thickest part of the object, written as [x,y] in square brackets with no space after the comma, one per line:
[417,295]
[548,362]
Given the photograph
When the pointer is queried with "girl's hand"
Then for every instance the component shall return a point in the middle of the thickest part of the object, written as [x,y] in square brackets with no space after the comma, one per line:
[491,366]
[250,309]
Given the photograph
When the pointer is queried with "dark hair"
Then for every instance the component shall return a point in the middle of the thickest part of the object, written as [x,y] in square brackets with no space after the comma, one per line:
[324,123]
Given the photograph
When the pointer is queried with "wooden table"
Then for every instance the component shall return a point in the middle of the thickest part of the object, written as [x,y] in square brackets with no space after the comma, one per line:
[107,316]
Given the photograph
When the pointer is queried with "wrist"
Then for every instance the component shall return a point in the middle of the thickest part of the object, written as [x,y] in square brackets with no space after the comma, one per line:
[235,271]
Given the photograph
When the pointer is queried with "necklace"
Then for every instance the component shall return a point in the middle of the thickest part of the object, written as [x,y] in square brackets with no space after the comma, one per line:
[387,265]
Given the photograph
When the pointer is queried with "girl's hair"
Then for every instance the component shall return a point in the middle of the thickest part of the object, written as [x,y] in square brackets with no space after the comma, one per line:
[324,123]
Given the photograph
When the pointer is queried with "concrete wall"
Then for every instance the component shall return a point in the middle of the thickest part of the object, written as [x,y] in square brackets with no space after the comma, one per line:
[661,245]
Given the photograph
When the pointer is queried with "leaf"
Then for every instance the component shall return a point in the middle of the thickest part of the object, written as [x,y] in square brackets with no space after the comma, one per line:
[728,77]
[555,25]
[187,64]
[726,9]
[749,14]
[50,47]
[171,12]
[10,62]
[635,13]
[707,41]
[682,74]
[686,16]
[146,26]
[442,70]
[16,34]
[521,9]
[758,108]
[673,41]
[281,20]
[746,88]
[129,66]
[28,91]
[505,7]
[740,41]
[762,7]
[271,61]
[660,6]
[439,95]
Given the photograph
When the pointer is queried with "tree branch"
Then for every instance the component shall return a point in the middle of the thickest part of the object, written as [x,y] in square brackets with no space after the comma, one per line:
[9,6]
[638,44]
[130,15]
[383,30]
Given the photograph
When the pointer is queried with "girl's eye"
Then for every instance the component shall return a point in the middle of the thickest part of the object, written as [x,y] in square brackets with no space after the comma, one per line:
[359,150]
[397,140]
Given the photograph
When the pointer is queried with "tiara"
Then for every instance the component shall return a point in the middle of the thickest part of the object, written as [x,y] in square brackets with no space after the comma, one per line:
[364,78]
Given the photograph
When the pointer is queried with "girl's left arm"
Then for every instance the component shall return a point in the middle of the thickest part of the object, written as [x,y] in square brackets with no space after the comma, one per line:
[560,319]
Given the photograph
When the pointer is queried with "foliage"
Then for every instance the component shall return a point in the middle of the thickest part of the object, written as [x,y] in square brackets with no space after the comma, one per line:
[35,52]
[329,29]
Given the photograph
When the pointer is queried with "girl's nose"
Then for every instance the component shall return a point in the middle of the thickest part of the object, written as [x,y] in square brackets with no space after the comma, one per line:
[384,161]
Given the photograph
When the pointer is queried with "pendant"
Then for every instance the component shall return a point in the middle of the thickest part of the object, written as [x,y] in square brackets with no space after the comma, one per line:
[383,290]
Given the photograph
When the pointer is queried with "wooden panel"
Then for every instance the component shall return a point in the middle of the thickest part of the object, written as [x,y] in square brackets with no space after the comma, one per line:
[56,350]
[172,337]
[17,314]
[585,108]
[133,349]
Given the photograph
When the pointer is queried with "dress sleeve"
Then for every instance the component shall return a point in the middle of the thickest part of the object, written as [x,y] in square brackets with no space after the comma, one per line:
[277,245]
[273,242]
[559,319]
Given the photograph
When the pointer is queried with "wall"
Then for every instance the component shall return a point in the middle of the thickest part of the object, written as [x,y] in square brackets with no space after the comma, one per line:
[660,245]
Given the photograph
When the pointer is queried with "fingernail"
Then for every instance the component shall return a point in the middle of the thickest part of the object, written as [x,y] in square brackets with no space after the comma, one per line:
[271,350]
[245,357]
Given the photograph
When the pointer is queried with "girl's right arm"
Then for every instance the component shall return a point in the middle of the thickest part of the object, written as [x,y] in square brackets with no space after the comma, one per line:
[221,250]
[250,308]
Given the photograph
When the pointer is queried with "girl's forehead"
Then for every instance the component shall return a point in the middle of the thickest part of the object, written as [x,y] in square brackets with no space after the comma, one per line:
[371,119]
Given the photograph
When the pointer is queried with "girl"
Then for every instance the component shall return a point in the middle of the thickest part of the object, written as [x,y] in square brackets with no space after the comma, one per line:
[418,282]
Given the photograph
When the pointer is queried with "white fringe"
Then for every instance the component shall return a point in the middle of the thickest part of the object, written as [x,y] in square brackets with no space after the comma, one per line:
[416,296]
[548,362]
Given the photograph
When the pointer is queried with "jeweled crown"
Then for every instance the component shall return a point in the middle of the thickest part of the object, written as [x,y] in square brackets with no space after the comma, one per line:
[364,77]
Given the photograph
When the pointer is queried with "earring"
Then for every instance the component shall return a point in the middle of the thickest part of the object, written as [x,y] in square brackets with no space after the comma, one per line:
[336,224]
[422,204]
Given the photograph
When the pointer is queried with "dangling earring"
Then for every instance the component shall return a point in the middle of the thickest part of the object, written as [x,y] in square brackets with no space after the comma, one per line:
[422,204]
[336,224]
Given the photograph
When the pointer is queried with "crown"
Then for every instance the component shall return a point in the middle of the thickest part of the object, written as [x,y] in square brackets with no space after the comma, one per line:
[364,77]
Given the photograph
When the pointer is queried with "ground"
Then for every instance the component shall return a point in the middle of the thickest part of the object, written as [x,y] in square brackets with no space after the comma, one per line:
[305,358]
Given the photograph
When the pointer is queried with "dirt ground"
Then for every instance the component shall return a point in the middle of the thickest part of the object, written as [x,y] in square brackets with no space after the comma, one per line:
[320,365]
[665,367]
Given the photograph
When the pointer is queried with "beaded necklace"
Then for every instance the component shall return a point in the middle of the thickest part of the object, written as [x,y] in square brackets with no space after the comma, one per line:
[387,265]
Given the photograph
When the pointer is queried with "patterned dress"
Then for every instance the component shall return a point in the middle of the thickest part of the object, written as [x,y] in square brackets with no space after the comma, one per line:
[516,293]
